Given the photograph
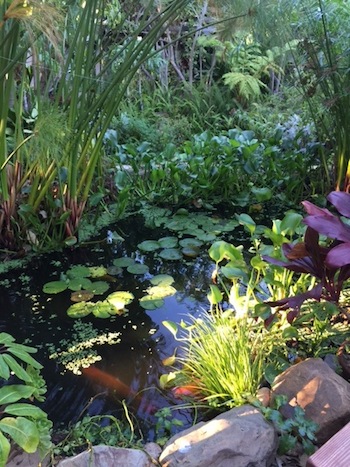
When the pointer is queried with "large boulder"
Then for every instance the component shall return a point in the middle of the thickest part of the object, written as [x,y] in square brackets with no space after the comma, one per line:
[322,393]
[240,437]
[108,456]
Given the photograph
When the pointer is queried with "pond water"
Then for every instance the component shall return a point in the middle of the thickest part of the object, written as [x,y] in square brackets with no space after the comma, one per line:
[128,369]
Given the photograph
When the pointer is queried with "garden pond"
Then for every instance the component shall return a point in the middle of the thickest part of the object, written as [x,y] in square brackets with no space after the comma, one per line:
[95,313]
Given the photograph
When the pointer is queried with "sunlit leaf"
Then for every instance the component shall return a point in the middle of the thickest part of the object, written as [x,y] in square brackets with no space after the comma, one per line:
[81,309]
[97,271]
[4,449]
[151,302]
[22,431]
[24,410]
[103,309]
[98,287]
[15,392]
[166,379]
[215,295]
[171,326]
[161,291]
[120,299]
[162,279]
[79,283]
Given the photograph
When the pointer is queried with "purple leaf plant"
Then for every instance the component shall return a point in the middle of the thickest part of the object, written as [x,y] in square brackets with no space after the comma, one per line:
[330,264]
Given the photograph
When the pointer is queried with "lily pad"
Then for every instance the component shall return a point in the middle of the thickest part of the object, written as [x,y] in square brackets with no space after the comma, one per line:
[150,302]
[81,296]
[138,268]
[78,271]
[97,271]
[149,245]
[103,310]
[115,270]
[168,242]
[161,291]
[98,287]
[171,254]
[79,283]
[120,299]
[207,237]
[123,262]
[191,251]
[162,279]
[54,287]
[79,310]
[190,242]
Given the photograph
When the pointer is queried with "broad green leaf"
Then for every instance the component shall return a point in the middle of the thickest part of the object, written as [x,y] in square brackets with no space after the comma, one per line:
[78,271]
[123,262]
[22,431]
[54,287]
[138,268]
[168,242]
[103,309]
[18,370]
[161,291]
[170,254]
[24,348]
[120,299]
[71,241]
[25,410]
[4,369]
[79,283]
[150,302]
[5,447]
[206,237]
[215,295]
[262,194]
[15,392]
[171,326]
[98,287]
[24,356]
[190,251]
[97,271]
[149,245]
[81,309]
[6,338]
[162,279]
[247,222]
[190,242]
[222,250]
[290,223]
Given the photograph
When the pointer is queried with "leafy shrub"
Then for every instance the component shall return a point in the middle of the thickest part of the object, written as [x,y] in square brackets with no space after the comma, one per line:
[22,422]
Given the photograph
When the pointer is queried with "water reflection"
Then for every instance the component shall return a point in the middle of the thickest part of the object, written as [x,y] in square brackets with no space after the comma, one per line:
[135,362]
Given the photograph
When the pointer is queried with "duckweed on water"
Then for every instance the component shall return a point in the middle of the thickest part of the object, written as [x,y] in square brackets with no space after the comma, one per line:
[79,352]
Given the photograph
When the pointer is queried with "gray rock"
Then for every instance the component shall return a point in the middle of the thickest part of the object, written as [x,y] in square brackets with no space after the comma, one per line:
[108,456]
[240,437]
[322,393]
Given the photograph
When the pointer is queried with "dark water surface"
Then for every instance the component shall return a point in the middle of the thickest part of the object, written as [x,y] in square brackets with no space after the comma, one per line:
[126,368]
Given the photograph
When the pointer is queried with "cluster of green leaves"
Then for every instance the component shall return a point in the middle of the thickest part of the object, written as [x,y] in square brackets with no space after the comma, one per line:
[95,430]
[21,421]
[293,429]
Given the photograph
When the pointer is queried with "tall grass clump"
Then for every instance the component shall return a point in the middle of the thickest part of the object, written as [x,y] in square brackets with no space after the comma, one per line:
[224,359]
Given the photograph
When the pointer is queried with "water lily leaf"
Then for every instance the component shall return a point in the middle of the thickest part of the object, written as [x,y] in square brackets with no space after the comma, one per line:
[120,299]
[207,237]
[168,242]
[123,262]
[178,225]
[162,279]
[191,251]
[138,268]
[97,271]
[81,309]
[98,287]
[78,271]
[149,245]
[54,287]
[103,309]
[114,270]
[150,302]
[79,283]
[81,296]
[190,242]
[161,291]
[194,232]
[171,254]
[229,226]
